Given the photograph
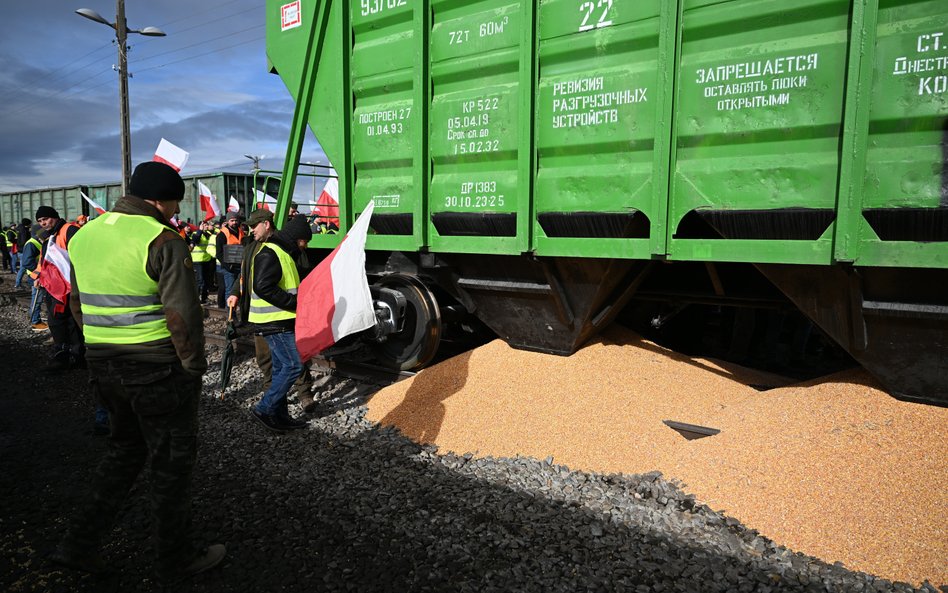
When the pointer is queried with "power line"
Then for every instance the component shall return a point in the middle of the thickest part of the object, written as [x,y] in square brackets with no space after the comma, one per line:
[199,25]
[65,91]
[34,104]
[46,76]
[192,15]
[206,41]
[213,51]
[43,77]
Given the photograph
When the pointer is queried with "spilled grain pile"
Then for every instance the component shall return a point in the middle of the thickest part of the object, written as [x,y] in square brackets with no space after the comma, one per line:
[833,468]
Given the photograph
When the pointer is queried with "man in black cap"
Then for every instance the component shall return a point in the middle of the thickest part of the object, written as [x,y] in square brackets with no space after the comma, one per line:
[145,334]
[68,350]
[274,283]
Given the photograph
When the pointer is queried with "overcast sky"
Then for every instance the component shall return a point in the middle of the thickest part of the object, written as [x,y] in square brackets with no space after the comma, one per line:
[203,87]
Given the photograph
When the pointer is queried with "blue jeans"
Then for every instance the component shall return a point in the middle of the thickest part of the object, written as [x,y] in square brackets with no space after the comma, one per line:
[37,296]
[15,264]
[21,272]
[286,370]
[202,280]
[229,279]
[101,415]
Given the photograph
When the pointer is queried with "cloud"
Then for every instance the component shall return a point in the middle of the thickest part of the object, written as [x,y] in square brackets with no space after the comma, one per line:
[204,87]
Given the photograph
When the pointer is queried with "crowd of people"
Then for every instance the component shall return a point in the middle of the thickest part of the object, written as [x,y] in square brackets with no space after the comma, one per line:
[138,325]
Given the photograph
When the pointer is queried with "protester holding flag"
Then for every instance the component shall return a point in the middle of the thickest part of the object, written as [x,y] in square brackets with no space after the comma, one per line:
[274,280]
[261,226]
[69,349]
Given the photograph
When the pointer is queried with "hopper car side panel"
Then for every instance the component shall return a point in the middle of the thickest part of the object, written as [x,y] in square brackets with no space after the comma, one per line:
[544,156]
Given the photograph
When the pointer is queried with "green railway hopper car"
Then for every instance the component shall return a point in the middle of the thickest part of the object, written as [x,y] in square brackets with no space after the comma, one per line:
[545,165]
[17,205]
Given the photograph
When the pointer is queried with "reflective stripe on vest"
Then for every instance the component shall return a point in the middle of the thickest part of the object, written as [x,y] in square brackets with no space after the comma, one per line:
[262,311]
[120,303]
[200,252]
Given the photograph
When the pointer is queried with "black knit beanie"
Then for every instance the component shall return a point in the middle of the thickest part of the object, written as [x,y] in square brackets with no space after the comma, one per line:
[46,212]
[296,228]
[152,180]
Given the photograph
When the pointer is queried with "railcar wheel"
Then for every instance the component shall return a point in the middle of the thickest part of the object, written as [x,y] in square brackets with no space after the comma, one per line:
[416,343]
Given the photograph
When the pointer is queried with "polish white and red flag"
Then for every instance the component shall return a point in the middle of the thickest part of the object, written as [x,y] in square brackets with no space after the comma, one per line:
[208,202]
[265,201]
[233,205]
[93,203]
[327,206]
[55,274]
[334,300]
[171,155]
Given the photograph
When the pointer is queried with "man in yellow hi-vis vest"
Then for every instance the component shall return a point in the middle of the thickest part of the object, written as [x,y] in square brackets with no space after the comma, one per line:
[204,264]
[274,280]
[133,292]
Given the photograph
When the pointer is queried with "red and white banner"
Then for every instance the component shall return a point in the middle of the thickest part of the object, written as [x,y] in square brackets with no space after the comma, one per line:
[171,155]
[265,201]
[328,203]
[233,205]
[334,300]
[208,202]
[55,274]
[93,203]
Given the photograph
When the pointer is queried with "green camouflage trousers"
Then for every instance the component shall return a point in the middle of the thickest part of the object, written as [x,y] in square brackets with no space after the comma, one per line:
[153,418]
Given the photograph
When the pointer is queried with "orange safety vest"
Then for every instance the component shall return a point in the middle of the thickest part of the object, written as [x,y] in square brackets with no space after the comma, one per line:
[61,235]
[231,240]
[60,240]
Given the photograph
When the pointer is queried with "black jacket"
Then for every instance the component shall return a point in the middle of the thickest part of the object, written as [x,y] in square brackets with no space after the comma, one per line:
[22,236]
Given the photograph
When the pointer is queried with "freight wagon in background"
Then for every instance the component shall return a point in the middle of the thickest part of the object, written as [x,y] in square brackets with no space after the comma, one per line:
[69,203]
[545,165]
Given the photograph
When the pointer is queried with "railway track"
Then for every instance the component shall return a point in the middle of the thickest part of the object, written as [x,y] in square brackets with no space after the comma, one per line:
[357,371]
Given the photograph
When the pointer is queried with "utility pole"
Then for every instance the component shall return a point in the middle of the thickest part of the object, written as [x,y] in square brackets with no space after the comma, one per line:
[256,161]
[121,35]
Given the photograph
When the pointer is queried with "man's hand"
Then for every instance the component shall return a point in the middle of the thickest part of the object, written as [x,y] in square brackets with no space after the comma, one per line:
[232,301]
